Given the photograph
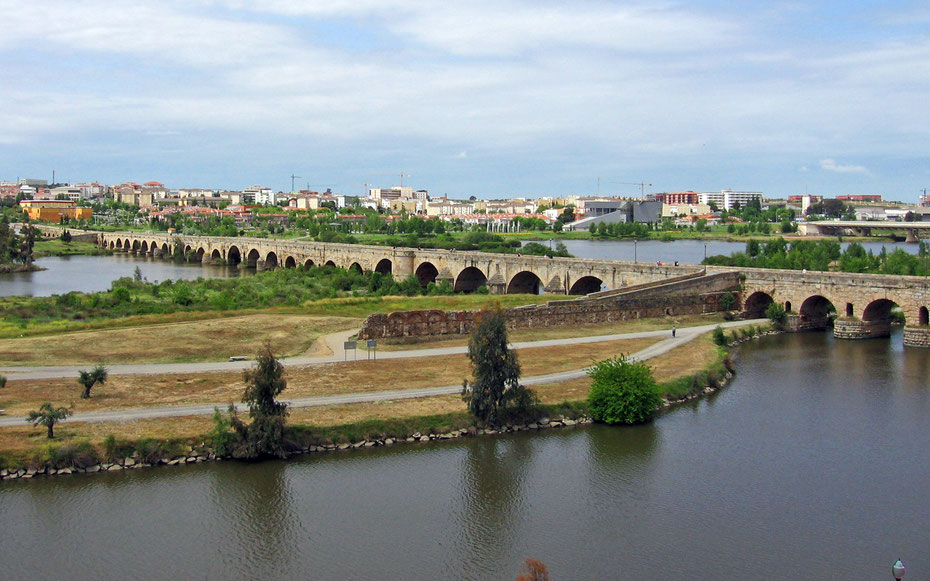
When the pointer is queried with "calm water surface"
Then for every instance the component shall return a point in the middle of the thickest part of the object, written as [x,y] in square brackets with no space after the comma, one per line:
[812,463]
[64,274]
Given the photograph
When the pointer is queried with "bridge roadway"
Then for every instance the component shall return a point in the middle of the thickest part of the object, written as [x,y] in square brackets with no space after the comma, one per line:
[683,336]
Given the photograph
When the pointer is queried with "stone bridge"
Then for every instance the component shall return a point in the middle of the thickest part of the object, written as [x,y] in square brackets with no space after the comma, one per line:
[858,305]
[464,271]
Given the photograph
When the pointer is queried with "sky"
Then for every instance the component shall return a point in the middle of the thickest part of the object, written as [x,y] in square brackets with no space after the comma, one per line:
[488,98]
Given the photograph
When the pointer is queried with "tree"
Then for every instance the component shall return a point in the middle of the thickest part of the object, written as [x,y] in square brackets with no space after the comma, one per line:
[91,378]
[2,381]
[496,371]
[66,237]
[264,436]
[48,416]
[622,391]
[776,313]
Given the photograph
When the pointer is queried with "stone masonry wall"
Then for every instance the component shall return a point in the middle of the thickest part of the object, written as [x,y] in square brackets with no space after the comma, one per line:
[694,296]
[917,336]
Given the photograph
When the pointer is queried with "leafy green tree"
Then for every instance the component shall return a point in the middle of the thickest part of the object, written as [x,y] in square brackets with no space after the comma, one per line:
[495,368]
[622,392]
[91,378]
[264,436]
[776,313]
[2,381]
[48,416]
[727,301]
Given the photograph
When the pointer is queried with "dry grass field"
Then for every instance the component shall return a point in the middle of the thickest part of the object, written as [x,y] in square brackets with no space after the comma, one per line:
[139,391]
[205,340]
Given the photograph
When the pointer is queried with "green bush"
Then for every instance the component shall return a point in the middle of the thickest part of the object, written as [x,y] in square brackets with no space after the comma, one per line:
[622,392]
[720,338]
[775,313]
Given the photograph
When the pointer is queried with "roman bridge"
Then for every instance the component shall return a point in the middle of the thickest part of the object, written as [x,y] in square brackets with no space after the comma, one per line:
[859,306]
[464,271]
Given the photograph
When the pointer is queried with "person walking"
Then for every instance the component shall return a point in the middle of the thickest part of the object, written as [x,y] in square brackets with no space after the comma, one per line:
[673,330]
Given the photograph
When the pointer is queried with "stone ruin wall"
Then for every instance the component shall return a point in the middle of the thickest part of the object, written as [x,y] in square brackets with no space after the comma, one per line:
[696,296]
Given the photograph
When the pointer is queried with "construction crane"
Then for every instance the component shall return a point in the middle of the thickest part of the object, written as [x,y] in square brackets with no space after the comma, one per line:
[309,185]
[293,177]
[642,186]
[395,175]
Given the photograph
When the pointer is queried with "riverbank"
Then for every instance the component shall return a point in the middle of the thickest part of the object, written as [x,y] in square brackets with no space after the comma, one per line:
[9,268]
[374,425]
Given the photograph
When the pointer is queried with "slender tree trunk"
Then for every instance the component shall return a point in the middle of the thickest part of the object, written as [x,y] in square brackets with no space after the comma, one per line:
[51,431]
[86,393]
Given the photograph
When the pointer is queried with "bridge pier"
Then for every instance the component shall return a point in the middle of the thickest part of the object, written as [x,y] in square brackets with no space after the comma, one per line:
[917,336]
[848,328]
[207,259]
[157,252]
[795,323]
[260,265]
[912,236]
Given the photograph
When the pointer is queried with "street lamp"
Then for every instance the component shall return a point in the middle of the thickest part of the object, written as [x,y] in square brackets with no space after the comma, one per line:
[705,258]
[898,570]
[634,251]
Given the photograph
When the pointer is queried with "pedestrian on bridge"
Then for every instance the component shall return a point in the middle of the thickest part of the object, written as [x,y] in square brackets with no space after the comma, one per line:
[673,330]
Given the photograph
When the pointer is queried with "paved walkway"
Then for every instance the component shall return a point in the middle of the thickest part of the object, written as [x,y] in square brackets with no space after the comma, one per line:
[335,342]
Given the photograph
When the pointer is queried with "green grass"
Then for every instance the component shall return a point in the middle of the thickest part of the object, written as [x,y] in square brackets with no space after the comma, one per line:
[55,247]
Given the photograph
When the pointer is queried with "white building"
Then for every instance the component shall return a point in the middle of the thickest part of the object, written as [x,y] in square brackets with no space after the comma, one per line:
[729,199]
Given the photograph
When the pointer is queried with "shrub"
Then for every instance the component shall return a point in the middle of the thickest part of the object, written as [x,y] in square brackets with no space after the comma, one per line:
[482,290]
[622,392]
[720,338]
[775,313]
[727,301]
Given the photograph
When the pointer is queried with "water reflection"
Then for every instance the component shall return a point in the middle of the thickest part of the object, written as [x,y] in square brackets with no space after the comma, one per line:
[492,489]
[253,511]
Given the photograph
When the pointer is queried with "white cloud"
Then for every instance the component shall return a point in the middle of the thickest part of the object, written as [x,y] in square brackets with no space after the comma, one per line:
[831,165]
[461,155]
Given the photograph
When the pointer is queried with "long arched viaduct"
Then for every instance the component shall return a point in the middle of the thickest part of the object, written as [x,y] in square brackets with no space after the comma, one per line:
[464,271]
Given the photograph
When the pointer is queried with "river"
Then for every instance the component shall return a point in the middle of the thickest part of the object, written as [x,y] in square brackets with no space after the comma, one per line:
[95,273]
[812,463]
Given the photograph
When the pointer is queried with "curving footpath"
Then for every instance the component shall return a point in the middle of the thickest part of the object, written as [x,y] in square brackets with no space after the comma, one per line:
[335,342]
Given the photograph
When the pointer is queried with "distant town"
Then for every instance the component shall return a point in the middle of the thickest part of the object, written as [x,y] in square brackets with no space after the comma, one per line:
[156,202]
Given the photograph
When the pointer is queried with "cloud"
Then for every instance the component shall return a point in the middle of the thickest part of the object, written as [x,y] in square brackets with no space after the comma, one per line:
[461,155]
[831,165]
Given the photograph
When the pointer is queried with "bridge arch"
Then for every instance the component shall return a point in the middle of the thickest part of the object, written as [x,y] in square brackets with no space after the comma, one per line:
[756,303]
[271,261]
[426,273]
[233,255]
[145,247]
[879,310]
[525,283]
[216,254]
[384,266]
[309,262]
[330,264]
[136,245]
[119,243]
[469,280]
[815,312]
[290,262]
[252,258]
[586,285]
[356,267]
[922,316]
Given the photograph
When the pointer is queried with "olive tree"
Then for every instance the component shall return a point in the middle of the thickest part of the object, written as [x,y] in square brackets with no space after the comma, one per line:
[91,378]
